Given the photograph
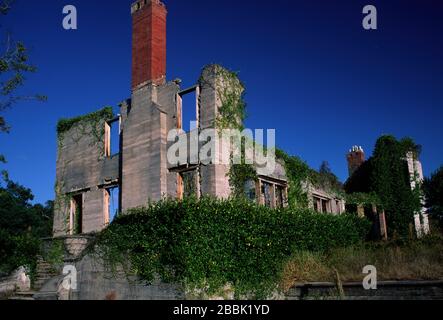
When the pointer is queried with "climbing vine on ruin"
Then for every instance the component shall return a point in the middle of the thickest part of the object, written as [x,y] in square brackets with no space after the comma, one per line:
[386,175]
[230,90]
[231,114]
[55,254]
[297,172]
[239,175]
[232,111]
[363,199]
[91,124]
[61,203]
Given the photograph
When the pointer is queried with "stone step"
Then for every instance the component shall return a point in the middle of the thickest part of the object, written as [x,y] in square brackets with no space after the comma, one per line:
[46,296]
[48,269]
[18,298]
[43,264]
[40,267]
[26,295]
[38,284]
[44,277]
[41,282]
[44,267]
[46,274]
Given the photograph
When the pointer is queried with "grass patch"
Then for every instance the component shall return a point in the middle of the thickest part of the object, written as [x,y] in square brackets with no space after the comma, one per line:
[412,260]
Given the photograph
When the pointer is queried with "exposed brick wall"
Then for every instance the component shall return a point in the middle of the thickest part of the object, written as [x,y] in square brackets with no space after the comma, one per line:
[148,42]
[355,160]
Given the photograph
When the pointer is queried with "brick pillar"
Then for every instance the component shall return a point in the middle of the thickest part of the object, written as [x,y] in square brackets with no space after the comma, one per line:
[148,42]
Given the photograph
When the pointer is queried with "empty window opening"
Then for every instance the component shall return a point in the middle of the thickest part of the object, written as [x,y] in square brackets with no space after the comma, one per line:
[76,215]
[112,137]
[188,184]
[272,194]
[322,205]
[316,202]
[280,196]
[266,190]
[188,109]
[325,205]
[111,206]
[250,190]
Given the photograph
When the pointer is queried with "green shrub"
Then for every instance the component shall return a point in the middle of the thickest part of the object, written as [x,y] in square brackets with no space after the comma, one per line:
[210,243]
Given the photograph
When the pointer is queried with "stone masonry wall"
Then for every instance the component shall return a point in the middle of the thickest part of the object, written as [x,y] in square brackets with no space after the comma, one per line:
[82,168]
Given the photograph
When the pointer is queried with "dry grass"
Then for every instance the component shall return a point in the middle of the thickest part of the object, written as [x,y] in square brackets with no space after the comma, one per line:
[417,260]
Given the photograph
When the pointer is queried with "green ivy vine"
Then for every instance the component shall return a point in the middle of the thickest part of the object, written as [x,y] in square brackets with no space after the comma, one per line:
[231,114]
[91,124]
[230,91]
[363,199]
[239,175]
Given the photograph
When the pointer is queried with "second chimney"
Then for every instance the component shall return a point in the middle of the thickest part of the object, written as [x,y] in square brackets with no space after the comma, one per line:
[148,43]
[355,157]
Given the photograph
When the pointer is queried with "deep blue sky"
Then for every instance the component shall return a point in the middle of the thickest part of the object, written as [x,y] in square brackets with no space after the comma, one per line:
[311,72]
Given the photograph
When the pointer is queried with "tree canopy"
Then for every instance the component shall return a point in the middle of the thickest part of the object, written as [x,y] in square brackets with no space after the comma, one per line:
[22,224]
[14,66]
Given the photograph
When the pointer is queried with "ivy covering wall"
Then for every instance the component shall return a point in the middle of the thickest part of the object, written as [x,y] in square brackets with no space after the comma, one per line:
[385,175]
[89,124]
[209,243]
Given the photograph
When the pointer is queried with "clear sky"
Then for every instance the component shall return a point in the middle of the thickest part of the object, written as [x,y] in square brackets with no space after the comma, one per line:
[311,72]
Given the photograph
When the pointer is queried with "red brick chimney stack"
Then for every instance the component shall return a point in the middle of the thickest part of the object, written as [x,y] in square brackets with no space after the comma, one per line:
[356,157]
[148,42]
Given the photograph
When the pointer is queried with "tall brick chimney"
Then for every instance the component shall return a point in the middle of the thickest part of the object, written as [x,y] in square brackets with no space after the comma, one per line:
[148,42]
[356,157]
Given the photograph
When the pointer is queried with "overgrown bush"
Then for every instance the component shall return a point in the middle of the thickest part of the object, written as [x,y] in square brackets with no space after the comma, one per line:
[209,243]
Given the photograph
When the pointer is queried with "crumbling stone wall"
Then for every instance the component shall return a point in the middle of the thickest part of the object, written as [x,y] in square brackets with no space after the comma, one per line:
[82,168]
[96,283]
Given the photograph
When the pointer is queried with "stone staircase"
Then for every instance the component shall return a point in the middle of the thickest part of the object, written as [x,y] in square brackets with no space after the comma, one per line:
[44,273]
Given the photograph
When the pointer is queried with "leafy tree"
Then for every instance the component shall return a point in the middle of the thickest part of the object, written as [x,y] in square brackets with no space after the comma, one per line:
[433,188]
[22,224]
[360,181]
[14,66]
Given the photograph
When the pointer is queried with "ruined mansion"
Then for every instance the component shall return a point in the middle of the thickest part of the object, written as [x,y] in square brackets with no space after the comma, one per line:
[101,155]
